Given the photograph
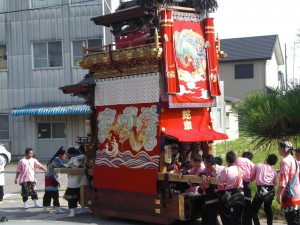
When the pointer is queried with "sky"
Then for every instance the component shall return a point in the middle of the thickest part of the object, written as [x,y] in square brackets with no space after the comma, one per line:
[245,18]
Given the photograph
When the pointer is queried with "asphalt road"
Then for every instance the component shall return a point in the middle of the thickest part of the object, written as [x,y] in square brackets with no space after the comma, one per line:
[12,207]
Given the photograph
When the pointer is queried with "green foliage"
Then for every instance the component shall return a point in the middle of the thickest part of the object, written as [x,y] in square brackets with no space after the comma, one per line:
[237,146]
[266,119]
[271,117]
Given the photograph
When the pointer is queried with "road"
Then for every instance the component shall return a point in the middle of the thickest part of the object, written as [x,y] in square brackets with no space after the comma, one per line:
[12,207]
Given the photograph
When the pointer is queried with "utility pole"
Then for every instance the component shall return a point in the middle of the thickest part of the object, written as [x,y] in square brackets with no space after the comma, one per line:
[294,56]
[285,57]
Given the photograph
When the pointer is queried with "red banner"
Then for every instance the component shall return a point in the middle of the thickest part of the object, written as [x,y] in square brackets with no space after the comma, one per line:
[212,58]
[166,24]
[191,66]
[127,157]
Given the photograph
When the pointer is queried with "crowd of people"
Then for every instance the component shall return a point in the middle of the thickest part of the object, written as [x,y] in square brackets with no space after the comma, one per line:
[26,177]
[231,196]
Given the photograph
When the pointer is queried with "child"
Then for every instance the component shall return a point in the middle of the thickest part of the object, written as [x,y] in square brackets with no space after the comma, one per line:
[265,178]
[210,191]
[231,210]
[219,161]
[198,167]
[246,165]
[184,170]
[217,168]
[288,192]
[26,170]
[2,179]
[72,194]
[51,183]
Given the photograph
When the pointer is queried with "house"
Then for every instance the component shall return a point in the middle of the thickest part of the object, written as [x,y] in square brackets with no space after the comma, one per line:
[252,64]
[40,45]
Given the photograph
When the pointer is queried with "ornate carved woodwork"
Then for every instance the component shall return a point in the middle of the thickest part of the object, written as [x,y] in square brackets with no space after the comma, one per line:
[123,62]
[84,89]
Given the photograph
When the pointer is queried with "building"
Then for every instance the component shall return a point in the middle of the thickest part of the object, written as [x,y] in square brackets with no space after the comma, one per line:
[252,64]
[40,44]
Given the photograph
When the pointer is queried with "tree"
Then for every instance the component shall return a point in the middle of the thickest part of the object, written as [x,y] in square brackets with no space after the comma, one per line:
[270,117]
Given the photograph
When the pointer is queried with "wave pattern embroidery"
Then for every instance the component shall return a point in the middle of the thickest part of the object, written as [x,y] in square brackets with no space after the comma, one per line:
[140,161]
[123,133]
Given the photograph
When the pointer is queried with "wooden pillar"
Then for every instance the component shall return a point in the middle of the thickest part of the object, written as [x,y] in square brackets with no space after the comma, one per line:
[156,39]
[162,164]
[90,152]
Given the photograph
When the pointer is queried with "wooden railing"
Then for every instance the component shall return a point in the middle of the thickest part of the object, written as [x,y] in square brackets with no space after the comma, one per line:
[132,43]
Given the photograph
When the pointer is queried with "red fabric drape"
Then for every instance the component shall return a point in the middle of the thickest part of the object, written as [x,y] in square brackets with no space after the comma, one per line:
[212,58]
[189,125]
[128,148]
[166,23]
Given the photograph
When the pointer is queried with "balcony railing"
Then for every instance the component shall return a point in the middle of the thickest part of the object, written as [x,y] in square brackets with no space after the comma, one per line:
[140,55]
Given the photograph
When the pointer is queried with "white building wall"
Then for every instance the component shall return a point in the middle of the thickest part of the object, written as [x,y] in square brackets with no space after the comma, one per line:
[232,122]
[272,73]
[223,119]
[239,88]
[218,112]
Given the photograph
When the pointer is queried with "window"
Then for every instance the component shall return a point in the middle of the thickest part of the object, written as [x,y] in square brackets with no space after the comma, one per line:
[44,3]
[47,54]
[243,71]
[2,5]
[77,48]
[4,127]
[58,130]
[55,130]
[44,130]
[3,57]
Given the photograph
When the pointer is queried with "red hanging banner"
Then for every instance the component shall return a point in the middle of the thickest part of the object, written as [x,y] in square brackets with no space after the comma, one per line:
[212,58]
[166,24]
[189,46]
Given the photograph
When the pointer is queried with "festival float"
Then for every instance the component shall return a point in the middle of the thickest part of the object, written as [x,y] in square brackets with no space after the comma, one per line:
[155,84]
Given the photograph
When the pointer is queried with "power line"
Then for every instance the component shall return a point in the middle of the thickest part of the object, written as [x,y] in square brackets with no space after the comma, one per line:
[49,7]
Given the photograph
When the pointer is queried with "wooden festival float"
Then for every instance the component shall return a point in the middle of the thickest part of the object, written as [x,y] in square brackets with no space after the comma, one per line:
[154,85]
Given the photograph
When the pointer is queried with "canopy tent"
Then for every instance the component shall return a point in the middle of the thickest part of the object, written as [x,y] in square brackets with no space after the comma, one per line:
[50,109]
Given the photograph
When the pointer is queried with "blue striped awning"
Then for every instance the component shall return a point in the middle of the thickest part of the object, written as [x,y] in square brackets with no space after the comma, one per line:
[45,110]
